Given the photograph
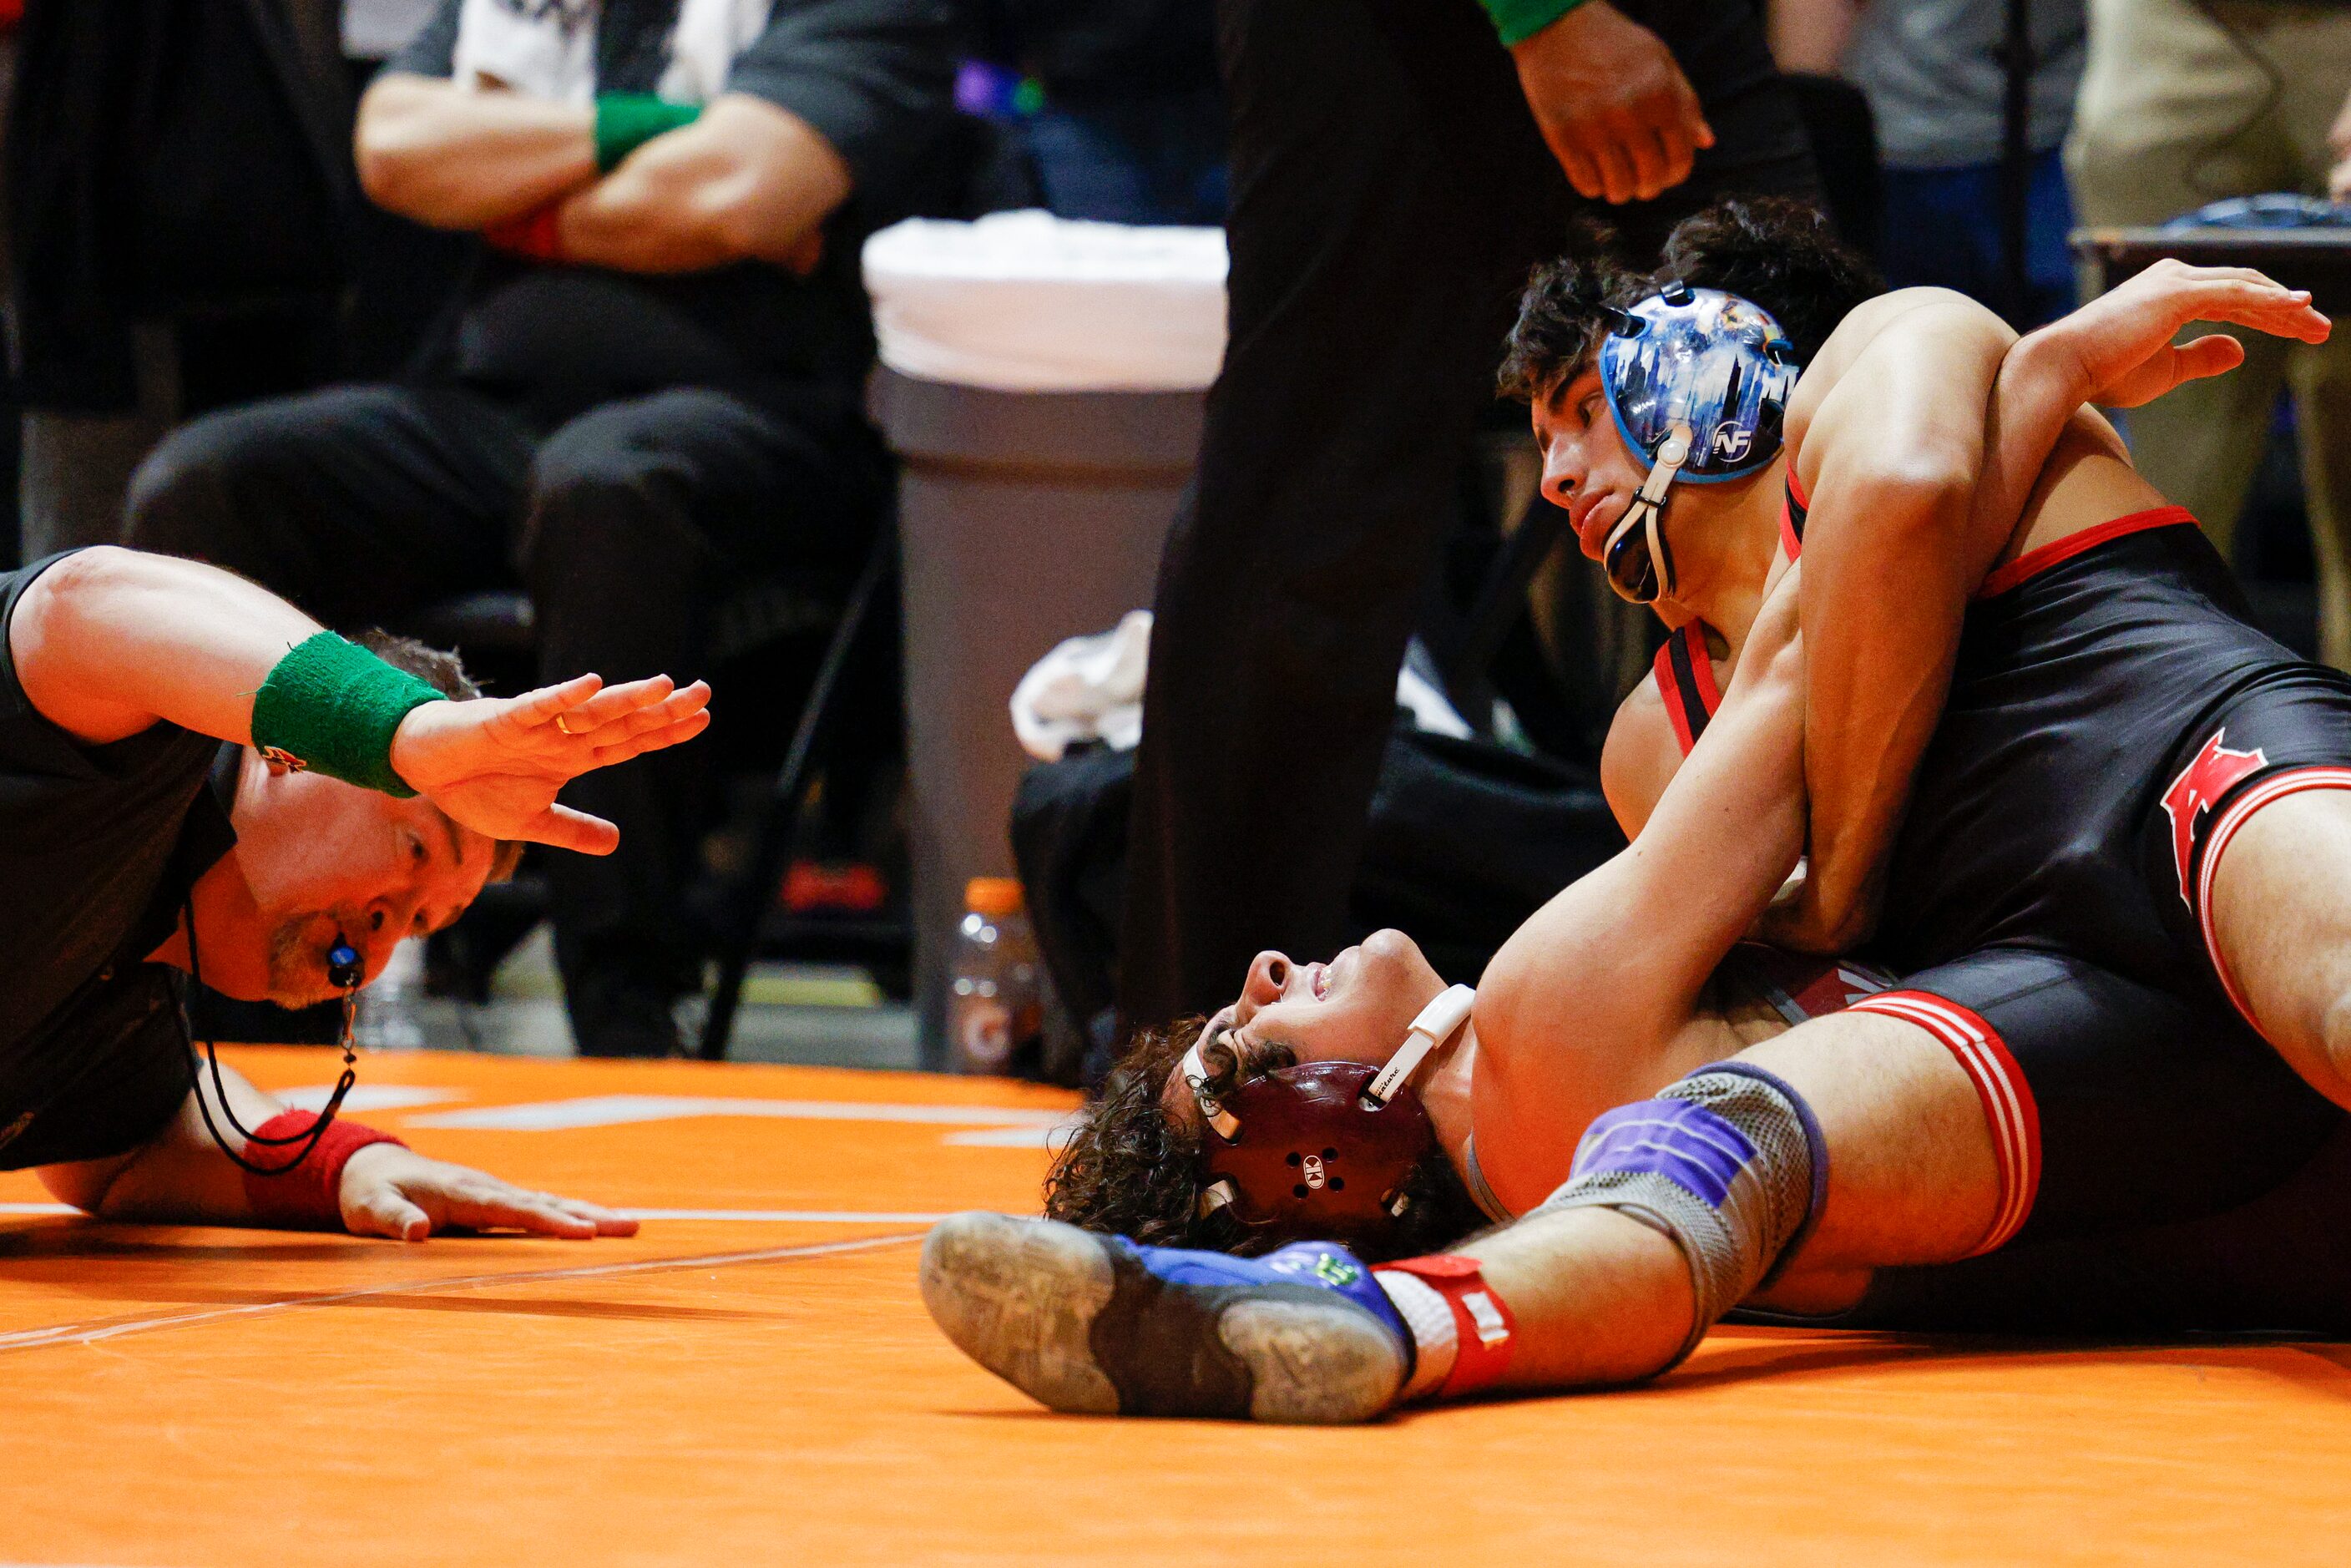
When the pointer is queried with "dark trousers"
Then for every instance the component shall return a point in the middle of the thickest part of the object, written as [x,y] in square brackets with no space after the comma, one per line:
[628,526]
[1390,192]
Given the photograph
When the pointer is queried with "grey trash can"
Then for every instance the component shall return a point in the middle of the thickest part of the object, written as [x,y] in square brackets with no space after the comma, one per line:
[1023,519]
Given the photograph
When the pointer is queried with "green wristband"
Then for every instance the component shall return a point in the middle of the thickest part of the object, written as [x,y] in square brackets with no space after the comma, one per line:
[1516,21]
[627,120]
[331,707]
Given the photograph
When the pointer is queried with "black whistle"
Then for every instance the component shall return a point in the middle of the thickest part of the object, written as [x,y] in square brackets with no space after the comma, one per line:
[343,965]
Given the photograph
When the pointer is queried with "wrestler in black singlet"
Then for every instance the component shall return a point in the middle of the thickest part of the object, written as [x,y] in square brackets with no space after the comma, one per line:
[2113,707]
[2038,883]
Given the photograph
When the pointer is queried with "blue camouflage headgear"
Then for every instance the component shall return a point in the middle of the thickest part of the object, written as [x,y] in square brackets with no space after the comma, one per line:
[1697,382]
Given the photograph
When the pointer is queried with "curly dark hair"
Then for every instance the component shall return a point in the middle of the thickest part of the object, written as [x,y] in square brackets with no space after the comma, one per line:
[1130,1172]
[1778,253]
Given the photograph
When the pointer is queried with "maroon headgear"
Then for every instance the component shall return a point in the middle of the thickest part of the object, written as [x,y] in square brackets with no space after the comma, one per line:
[1322,1149]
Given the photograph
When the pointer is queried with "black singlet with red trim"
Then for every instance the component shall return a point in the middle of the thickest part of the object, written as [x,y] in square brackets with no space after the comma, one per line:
[2043,899]
[2114,712]
[2092,677]
[1685,674]
[1684,670]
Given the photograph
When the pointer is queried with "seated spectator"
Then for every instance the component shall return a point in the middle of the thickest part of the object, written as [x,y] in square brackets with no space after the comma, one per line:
[1937,81]
[650,391]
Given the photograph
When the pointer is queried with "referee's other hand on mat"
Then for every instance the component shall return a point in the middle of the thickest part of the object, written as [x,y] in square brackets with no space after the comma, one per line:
[496,764]
[391,1190]
[1617,112]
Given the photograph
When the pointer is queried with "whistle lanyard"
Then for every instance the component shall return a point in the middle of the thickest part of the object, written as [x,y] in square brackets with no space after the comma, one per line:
[343,967]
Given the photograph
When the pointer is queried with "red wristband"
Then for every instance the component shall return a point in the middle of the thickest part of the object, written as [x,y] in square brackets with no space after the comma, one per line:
[1484,1328]
[308,1196]
[536,234]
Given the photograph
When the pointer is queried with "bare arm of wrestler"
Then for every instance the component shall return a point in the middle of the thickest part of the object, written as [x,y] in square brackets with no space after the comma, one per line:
[1904,491]
[748,180]
[182,1177]
[1887,425]
[1885,437]
[1595,999]
[109,641]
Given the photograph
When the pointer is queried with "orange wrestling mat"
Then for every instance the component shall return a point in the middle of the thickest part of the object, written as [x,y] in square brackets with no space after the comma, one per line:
[752,1380]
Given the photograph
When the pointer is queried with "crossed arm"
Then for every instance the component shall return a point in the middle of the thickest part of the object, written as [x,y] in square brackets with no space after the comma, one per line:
[746,181]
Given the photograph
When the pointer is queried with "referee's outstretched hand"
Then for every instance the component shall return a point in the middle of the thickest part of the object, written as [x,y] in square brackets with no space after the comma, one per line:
[1619,115]
[2119,347]
[389,1190]
[495,764]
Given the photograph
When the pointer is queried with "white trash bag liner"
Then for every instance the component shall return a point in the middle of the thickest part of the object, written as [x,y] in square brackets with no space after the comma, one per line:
[1030,302]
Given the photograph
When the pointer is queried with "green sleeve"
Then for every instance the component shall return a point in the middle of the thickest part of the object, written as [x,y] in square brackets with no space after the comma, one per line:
[1519,20]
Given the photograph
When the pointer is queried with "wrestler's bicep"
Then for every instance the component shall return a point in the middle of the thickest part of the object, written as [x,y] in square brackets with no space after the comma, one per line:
[1910,403]
[1862,326]
[1640,757]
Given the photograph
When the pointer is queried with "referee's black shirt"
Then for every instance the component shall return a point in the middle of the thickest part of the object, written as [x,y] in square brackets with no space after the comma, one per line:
[99,845]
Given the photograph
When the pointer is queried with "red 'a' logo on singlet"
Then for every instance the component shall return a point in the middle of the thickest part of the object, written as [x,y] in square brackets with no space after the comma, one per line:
[2216,771]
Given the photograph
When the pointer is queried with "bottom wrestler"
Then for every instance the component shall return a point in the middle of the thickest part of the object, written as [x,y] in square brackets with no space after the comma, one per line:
[1819,1157]
[1904,1132]
[195,780]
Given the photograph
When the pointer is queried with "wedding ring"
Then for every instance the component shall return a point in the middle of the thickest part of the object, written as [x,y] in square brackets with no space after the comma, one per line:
[561,725]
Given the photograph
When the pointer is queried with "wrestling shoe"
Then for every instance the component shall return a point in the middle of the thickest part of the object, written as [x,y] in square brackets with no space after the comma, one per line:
[1099,1325]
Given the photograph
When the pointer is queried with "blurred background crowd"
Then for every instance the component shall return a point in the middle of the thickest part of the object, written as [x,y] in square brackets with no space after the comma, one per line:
[329,293]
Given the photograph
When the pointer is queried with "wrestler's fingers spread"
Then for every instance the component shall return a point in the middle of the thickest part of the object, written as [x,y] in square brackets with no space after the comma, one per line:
[2211,356]
[2247,273]
[2222,298]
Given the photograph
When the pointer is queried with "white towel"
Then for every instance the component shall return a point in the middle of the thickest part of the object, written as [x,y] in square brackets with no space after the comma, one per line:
[1091,688]
[1087,689]
[546,48]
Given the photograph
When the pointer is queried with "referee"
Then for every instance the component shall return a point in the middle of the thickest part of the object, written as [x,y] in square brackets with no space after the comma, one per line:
[194,778]
[1398,168]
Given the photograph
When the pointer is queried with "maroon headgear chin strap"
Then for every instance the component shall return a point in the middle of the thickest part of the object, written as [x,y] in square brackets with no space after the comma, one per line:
[1322,1149]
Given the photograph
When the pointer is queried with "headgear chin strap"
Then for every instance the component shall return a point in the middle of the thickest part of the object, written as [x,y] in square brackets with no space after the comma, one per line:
[1322,1148]
[1642,575]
